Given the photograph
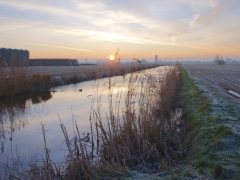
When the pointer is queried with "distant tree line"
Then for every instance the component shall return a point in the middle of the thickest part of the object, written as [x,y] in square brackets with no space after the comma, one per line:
[219,60]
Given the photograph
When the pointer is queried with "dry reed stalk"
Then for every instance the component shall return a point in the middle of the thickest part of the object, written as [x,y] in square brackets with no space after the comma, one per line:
[149,130]
[40,81]
[48,167]
[45,145]
[67,142]
[14,79]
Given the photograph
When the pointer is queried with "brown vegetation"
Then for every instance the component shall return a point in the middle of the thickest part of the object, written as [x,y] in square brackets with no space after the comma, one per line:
[14,80]
[147,136]
[41,81]
[14,83]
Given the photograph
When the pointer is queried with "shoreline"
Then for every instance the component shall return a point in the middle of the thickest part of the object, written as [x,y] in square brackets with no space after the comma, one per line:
[44,81]
[214,119]
[77,78]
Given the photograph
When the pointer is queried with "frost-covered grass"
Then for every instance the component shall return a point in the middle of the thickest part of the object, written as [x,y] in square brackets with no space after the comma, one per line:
[214,122]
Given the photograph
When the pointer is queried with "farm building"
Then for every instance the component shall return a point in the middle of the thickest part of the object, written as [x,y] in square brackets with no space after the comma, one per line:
[53,62]
[18,56]
[21,57]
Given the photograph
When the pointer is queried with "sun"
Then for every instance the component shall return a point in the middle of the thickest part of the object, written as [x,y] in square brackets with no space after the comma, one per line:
[111,57]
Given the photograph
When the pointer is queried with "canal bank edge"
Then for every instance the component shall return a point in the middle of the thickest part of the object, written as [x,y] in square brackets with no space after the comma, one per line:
[211,117]
[213,149]
[76,78]
[19,83]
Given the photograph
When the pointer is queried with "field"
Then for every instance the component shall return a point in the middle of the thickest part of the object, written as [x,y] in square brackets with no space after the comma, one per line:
[69,70]
[227,77]
[22,79]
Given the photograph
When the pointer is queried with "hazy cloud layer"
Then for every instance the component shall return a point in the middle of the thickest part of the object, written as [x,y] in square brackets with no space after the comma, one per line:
[81,24]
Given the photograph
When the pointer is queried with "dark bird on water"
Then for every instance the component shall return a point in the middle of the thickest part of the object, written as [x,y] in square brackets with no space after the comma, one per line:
[80,90]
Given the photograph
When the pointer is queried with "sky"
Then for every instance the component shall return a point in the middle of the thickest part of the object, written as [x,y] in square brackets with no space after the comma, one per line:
[94,29]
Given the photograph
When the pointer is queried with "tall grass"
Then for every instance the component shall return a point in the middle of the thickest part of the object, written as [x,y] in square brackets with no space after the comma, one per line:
[14,79]
[40,81]
[147,134]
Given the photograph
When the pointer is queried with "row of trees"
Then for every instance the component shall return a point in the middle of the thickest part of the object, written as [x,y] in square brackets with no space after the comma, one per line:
[219,60]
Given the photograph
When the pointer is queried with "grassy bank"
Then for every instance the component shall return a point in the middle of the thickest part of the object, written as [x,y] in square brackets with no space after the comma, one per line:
[214,149]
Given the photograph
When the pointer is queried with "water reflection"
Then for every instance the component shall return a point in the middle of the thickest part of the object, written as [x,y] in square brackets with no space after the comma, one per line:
[20,102]
[21,118]
[14,112]
[65,104]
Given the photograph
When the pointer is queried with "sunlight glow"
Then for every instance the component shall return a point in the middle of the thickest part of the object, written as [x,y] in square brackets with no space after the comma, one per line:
[111,57]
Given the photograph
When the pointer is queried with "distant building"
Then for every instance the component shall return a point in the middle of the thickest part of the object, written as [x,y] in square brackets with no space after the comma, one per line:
[143,61]
[185,62]
[102,61]
[53,62]
[235,62]
[18,56]
[156,59]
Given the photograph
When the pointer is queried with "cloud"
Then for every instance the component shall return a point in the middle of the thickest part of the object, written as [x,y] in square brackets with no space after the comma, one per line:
[47,45]
[200,5]
[210,10]
[97,20]
[81,23]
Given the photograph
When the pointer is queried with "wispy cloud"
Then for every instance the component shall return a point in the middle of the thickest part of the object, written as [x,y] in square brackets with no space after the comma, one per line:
[80,24]
[210,10]
[102,22]
[47,45]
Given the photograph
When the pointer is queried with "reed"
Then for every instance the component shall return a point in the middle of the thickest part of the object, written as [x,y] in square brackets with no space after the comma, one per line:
[147,134]
[40,81]
[14,79]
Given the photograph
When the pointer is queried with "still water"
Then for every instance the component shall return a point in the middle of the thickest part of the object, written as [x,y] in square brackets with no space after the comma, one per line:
[20,118]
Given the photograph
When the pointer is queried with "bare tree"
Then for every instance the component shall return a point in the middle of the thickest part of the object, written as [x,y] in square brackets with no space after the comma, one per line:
[219,60]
